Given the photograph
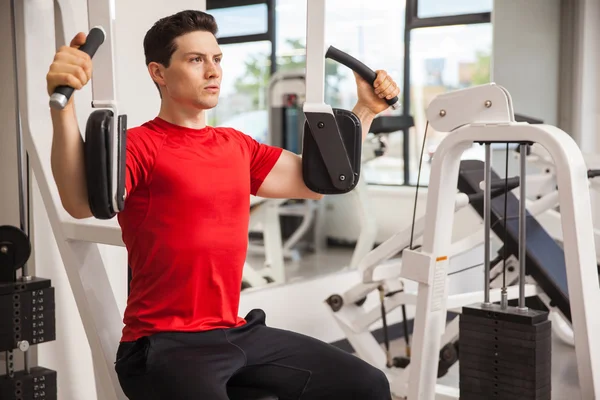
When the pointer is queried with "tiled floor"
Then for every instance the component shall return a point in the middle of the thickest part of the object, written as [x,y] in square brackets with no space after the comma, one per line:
[565,385]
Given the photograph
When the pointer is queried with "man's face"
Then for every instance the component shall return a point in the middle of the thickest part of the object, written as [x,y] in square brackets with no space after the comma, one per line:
[193,77]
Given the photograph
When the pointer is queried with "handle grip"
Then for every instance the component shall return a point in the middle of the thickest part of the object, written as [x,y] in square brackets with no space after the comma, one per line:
[361,69]
[62,94]
[592,173]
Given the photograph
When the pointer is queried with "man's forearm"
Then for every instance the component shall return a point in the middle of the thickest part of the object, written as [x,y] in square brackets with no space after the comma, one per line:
[68,164]
[366,118]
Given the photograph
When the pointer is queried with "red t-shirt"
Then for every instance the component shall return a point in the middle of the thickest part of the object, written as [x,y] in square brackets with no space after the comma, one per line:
[185,224]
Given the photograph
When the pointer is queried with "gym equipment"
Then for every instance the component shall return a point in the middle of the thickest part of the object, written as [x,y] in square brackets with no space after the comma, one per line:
[381,271]
[331,151]
[505,351]
[105,135]
[485,116]
[543,184]
[287,91]
[299,227]
[27,309]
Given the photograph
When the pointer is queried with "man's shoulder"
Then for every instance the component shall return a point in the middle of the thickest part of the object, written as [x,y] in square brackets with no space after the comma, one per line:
[233,133]
[144,137]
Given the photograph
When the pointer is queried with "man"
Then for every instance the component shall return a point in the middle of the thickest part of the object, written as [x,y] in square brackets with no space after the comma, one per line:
[185,227]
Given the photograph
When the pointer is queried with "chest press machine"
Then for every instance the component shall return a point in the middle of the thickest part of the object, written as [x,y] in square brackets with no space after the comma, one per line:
[486,331]
[331,151]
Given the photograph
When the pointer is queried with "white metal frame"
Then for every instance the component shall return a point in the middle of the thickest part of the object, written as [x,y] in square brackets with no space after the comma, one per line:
[355,320]
[486,113]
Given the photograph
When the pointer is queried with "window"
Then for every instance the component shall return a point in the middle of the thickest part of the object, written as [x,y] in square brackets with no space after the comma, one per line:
[443,8]
[242,20]
[443,59]
[242,102]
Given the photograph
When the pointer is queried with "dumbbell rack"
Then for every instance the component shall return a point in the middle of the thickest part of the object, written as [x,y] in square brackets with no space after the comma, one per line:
[27,318]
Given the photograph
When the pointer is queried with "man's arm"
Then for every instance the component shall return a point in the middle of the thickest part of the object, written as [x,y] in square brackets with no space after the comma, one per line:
[285,181]
[68,165]
[74,68]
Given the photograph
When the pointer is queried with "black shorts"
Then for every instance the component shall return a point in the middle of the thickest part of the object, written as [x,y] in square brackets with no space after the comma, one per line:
[205,365]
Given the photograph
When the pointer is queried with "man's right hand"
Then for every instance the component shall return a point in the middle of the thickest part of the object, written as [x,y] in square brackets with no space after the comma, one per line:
[71,67]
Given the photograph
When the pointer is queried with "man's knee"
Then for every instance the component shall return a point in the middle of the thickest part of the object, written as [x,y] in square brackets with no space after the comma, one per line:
[373,384]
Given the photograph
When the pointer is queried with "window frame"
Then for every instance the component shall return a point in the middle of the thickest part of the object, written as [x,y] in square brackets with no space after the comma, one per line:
[269,36]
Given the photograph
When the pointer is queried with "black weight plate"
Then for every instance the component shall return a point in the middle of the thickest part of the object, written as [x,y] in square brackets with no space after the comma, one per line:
[478,339]
[537,383]
[493,356]
[483,386]
[494,330]
[472,322]
[496,395]
[507,368]
[509,314]
[11,235]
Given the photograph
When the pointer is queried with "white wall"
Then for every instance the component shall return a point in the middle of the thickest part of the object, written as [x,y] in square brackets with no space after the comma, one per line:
[526,53]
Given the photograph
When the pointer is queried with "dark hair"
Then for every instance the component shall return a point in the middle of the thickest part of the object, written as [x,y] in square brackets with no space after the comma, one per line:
[159,42]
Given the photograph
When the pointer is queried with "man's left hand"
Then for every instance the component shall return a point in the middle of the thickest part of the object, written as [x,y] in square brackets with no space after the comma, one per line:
[373,97]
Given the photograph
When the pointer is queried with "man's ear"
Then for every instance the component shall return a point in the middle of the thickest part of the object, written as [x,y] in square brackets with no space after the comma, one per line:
[157,73]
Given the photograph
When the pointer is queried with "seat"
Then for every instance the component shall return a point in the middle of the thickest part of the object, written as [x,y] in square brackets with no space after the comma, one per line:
[245,393]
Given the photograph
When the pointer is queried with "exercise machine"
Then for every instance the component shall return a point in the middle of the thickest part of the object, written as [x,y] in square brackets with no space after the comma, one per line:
[486,115]
[489,118]
[542,184]
[27,306]
[300,222]
[331,144]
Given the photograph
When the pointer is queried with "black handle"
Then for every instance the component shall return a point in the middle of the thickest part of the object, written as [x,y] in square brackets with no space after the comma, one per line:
[592,173]
[501,183]
[361,69]
[62,94]
[498,188]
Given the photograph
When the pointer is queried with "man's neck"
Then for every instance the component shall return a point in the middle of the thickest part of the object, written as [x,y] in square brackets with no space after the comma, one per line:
[181,116]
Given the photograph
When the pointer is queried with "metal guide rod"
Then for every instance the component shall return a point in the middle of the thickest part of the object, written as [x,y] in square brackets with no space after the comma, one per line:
[487,199]
[522,226]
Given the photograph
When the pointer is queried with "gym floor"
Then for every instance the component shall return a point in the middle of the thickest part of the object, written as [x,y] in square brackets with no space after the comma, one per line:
[565,385]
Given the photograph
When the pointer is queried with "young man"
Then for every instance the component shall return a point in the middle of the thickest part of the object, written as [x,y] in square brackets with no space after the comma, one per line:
[185,227]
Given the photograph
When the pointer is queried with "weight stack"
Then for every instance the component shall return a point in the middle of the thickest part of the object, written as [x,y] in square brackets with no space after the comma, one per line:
[504,353]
